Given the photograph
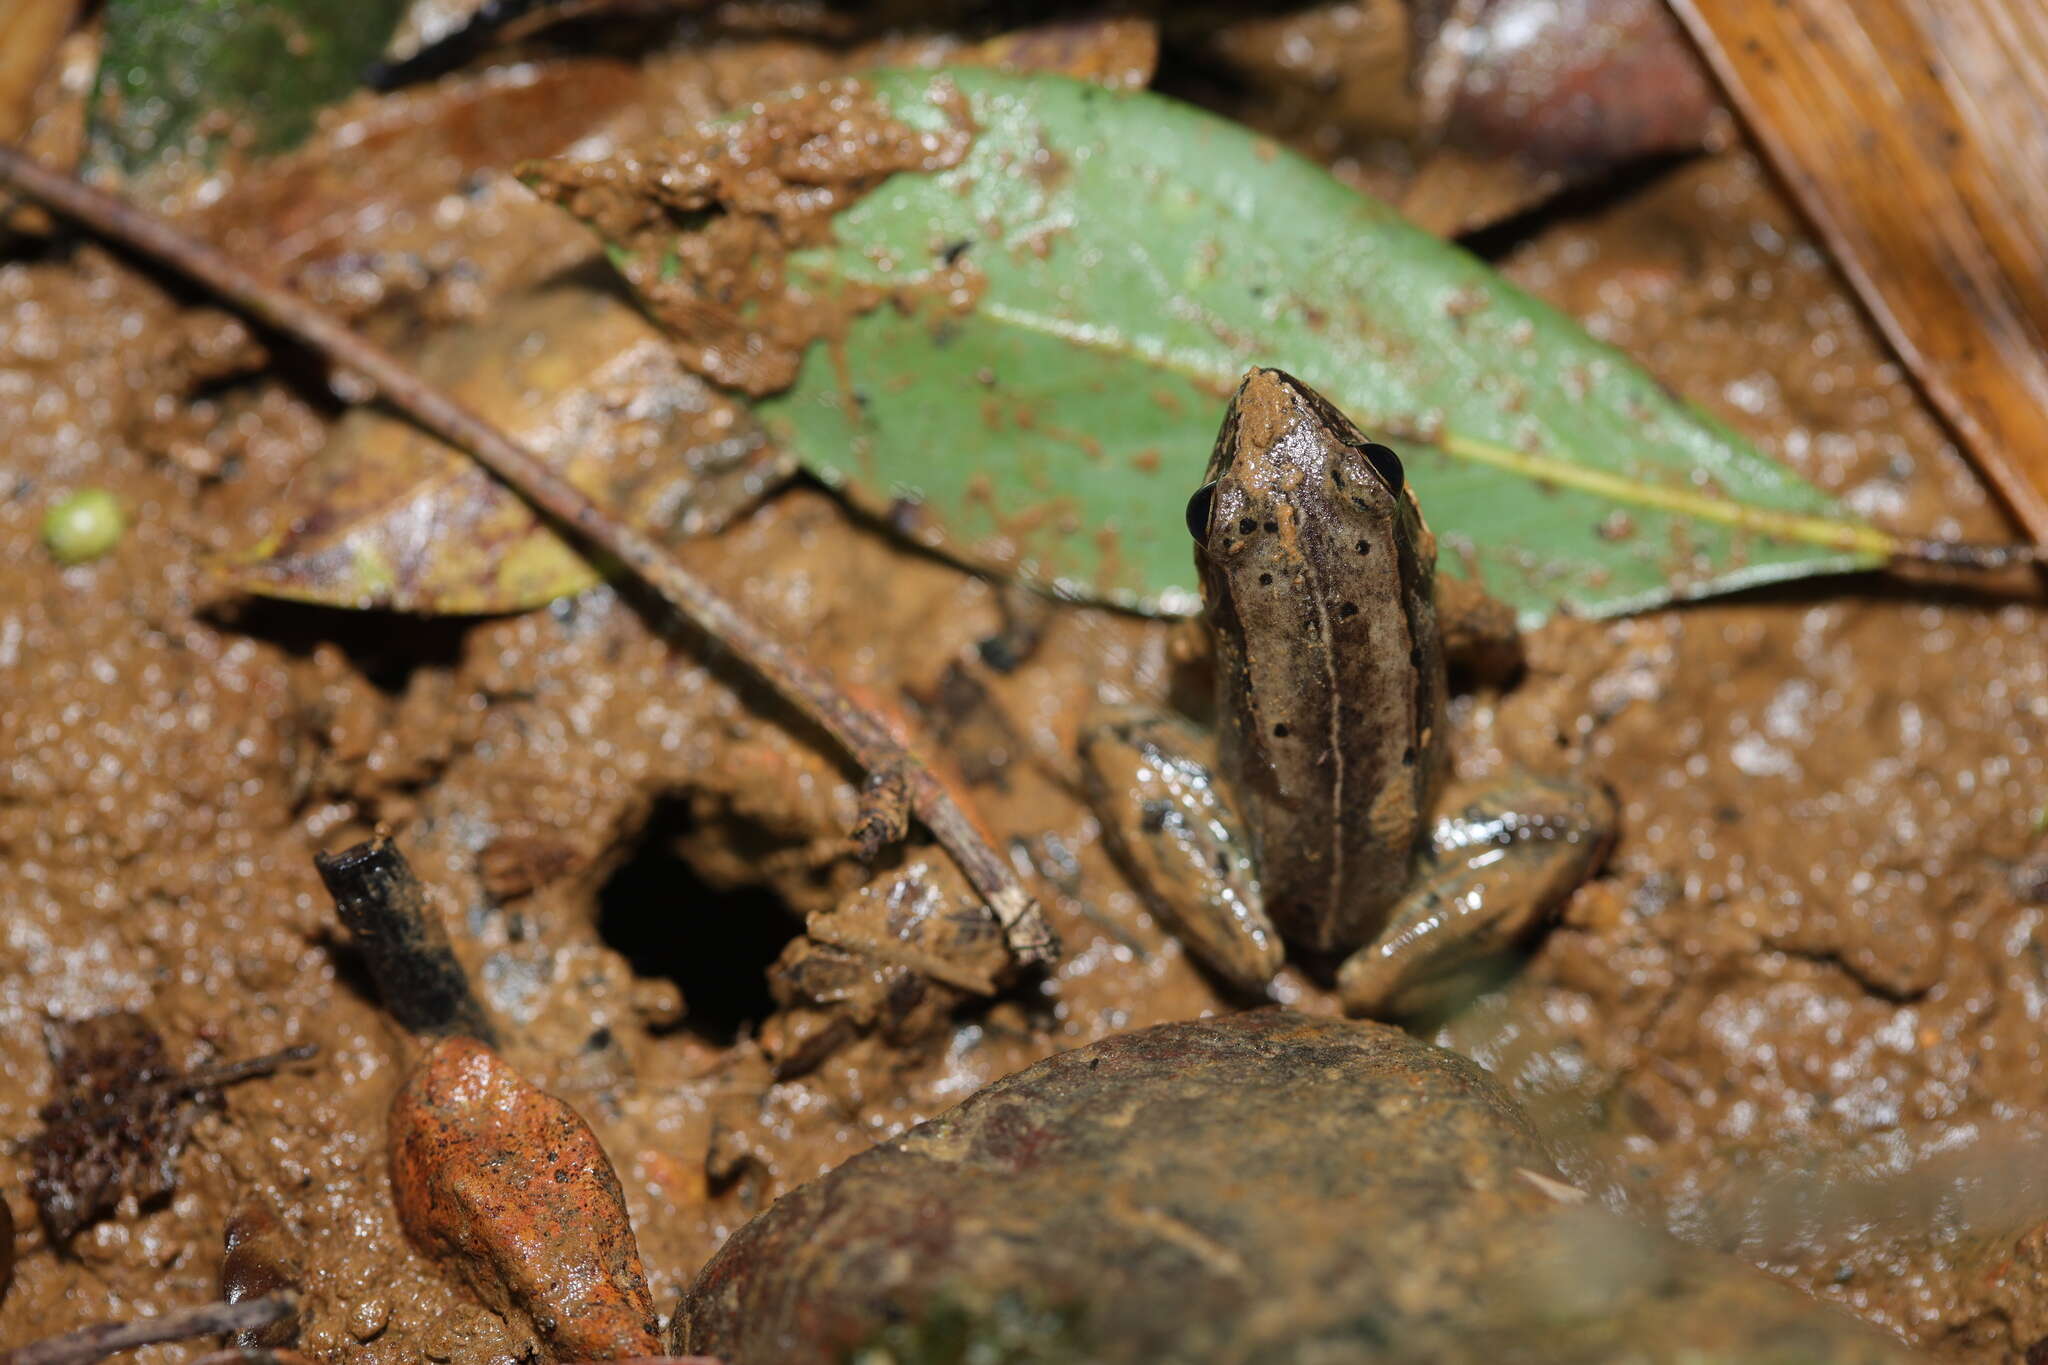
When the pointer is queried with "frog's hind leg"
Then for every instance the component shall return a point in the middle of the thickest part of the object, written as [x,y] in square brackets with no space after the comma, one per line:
[1504,859]
[1168,822]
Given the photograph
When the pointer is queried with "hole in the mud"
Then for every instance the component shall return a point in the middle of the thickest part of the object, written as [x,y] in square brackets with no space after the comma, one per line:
[716,944]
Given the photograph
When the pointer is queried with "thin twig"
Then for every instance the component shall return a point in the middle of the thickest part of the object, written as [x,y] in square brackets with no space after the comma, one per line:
[206,1076]
[97,1342]
[865,736]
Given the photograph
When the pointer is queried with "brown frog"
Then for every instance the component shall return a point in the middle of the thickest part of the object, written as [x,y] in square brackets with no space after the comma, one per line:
[1322,812]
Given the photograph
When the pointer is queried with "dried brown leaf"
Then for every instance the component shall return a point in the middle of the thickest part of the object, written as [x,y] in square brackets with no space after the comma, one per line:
[113,1128]
[1120,53]
[120,1116]
[29,33]
[1522,99]
[1915,134]
[389,516]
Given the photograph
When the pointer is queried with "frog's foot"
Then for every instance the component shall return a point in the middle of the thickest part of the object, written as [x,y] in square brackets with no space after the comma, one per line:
[1151,781]
[1498,866]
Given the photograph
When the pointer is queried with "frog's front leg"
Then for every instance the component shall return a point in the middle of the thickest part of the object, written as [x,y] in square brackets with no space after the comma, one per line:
[1506,857]
[1151,779]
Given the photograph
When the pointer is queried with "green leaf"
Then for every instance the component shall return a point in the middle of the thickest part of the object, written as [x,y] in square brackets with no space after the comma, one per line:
[183,76]
[1129,257]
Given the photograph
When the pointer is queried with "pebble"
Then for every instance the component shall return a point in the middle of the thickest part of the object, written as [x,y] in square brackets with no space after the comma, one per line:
[508,1187]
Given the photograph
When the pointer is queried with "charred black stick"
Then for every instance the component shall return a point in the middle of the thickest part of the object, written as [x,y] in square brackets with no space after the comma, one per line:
[865,736]
[101,1340]
[411,960]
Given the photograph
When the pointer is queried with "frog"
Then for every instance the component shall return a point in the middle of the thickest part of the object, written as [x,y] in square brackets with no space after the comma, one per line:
[1320,809]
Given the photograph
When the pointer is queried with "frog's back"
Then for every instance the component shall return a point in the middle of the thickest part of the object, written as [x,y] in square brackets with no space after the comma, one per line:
[1318,576]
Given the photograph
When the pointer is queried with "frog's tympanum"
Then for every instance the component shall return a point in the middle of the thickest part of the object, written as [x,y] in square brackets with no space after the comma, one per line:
[1321,812]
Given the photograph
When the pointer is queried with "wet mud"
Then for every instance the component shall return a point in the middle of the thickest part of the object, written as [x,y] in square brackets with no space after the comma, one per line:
[1799,1019]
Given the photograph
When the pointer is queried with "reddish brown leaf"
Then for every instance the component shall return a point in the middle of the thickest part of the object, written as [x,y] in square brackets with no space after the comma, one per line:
[1913,133]
[1524,98]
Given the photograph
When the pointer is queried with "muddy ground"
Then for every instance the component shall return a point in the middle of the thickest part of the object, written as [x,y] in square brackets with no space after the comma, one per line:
[1800,1017]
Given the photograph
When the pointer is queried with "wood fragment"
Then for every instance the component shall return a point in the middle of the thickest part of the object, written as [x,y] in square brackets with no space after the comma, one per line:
[1912,133]
[385,908]
[101,1340]
[866,737]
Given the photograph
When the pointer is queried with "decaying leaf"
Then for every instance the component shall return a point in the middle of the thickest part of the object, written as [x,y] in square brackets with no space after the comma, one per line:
[1524,98]
[1913,133]
[1117,52]
[183,77]
[29,33]
[388,516]
[116,1125]
[896,958]
[119,1117]
[1071,295]
[302,217]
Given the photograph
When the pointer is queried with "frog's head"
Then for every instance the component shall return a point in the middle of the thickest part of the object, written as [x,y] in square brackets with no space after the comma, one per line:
[1287,463]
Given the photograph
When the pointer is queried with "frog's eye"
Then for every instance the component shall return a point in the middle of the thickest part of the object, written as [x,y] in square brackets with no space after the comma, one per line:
[1198,513]
[1387,465]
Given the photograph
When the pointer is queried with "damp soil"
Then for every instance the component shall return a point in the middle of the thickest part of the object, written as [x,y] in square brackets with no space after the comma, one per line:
[1799,1018]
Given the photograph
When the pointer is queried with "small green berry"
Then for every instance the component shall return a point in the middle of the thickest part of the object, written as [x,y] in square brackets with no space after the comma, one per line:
[83,526]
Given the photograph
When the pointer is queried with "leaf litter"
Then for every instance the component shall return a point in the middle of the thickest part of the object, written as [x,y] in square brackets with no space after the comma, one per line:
[119,1117]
